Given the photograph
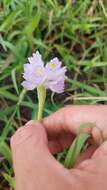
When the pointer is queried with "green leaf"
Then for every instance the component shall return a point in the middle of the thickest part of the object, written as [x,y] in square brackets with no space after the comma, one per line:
[13,74]
[32,25]
[5,151]
[75,150]
[8,95]
[10,20]
[88,88]
[9,179]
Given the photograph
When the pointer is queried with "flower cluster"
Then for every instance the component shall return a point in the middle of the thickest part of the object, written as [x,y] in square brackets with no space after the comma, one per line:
[51,75]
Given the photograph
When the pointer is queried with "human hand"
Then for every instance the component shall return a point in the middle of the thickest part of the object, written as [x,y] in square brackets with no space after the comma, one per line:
[32,145]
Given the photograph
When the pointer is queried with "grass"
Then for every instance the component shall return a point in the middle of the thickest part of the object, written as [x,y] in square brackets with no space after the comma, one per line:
[75,32]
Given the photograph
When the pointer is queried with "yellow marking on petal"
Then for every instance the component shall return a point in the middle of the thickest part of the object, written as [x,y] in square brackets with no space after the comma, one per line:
[40,71]
[53,65]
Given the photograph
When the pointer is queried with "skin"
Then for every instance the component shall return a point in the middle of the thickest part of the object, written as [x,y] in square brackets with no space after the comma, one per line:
[33,145]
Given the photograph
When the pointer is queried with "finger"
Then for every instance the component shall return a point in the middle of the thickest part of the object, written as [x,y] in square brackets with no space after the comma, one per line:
[97,162]
[101,152]
[32,159]
[58,144]
[70,118]
[86,155]
[25,133]
[92,172]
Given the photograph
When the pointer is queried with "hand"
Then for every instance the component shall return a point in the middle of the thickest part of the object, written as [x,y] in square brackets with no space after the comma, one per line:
[33,145]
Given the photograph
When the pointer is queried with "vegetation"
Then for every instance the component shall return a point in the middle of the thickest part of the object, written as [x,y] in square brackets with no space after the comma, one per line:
[76,32]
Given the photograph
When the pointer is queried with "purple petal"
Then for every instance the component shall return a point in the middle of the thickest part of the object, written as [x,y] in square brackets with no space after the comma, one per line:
[57,86]
[54,64]
[28,85]
[37,76]
[56,75]
[52,75]
[36,59]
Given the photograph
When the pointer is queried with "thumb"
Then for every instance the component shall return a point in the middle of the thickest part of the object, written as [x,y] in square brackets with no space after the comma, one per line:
[32,133]
[29,144]
[32,160]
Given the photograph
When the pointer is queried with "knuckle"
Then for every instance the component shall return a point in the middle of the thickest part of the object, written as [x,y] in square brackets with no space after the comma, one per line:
[103,150]
[20,133]
[16,136]
[30,133]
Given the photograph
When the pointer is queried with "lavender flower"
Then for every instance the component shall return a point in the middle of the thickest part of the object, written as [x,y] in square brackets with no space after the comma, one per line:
[51,75]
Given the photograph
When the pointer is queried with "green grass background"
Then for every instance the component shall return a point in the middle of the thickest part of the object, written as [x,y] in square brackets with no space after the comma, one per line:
[76,32]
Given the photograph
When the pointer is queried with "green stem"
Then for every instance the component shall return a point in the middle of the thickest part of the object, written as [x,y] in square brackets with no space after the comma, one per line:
[41,91]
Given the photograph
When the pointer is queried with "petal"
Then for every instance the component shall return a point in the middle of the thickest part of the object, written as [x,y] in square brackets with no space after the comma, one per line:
[34,73]
[56,75]
[52,75]
[57,86]
[54,64]
[36,59]
[34,78]
[28,67]
[28,85]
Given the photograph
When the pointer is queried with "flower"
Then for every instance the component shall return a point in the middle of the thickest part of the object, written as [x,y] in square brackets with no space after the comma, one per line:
[51,75]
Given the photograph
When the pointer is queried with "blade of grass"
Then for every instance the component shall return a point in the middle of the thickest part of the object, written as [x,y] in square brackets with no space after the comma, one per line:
[9,179]
[88,88]
[75,150]
[13,74]
[5,151]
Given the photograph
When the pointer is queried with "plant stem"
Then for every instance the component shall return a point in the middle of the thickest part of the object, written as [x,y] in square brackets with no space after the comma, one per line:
[41,91]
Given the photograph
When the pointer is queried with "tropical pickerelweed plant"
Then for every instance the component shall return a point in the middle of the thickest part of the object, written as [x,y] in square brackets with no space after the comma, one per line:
[51,76]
